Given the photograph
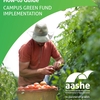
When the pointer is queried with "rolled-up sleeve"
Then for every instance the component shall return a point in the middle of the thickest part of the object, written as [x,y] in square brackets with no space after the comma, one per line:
[25,53]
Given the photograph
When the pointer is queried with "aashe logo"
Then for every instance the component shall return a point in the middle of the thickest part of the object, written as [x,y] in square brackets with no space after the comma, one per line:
[71,79]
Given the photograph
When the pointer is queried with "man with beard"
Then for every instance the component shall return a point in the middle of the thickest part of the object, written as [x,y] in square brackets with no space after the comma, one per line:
[34,57]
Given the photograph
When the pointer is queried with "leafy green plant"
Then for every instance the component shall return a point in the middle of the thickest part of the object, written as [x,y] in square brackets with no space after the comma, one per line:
[80,47]
[8,84]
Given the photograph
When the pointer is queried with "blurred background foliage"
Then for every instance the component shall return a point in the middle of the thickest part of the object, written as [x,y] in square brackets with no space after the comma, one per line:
[80,48]
[8,84]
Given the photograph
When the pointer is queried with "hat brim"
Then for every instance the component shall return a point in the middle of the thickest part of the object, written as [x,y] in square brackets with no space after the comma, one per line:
[41,38]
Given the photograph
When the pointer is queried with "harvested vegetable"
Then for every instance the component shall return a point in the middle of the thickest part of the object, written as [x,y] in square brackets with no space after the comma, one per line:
[37,86]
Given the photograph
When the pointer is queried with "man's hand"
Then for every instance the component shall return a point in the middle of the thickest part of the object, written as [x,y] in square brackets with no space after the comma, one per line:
[57,65]
[47,70]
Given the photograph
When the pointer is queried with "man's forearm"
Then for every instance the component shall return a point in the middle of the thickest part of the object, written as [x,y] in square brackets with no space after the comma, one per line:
[30,72]
[60,60]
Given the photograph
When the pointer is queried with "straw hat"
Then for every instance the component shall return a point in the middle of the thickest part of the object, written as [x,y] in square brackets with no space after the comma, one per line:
[40,33]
